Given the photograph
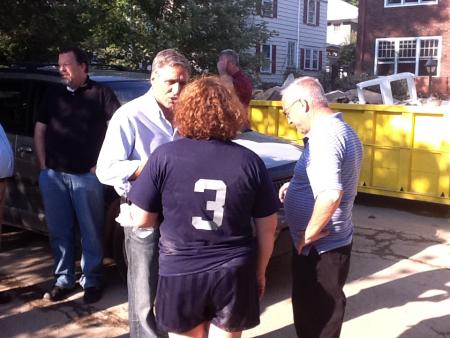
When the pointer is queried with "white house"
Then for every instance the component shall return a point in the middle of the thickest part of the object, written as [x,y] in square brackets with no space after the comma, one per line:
[342,19]
[301,41]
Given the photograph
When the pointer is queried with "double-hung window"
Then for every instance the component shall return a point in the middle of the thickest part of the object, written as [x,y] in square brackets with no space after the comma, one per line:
[266,54]
[291,54]
[269,8]
[311,59]
[397,55]
[398,3]
[311,12]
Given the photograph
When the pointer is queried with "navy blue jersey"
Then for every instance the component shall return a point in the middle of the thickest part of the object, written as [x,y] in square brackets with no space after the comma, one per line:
[207,192]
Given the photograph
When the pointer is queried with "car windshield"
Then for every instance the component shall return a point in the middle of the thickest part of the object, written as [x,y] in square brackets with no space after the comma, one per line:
[128,90]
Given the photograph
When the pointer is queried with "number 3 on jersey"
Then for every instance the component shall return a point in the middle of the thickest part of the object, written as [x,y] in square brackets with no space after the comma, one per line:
[215,206]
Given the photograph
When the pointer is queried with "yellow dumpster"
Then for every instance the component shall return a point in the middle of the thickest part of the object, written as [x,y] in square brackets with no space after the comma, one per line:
[406,148]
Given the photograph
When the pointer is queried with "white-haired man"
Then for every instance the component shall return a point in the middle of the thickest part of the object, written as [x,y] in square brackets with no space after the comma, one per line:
[318,203]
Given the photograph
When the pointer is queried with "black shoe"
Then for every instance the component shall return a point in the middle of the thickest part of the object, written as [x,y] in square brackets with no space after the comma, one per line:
[92,295]
[57,293]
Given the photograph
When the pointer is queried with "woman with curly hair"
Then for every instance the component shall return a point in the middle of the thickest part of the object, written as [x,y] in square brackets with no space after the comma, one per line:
[207,190]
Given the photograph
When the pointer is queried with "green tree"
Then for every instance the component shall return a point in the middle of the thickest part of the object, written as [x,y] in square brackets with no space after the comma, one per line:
[353,2]
[33,30]
[347,55]
[129,32]
[210,26]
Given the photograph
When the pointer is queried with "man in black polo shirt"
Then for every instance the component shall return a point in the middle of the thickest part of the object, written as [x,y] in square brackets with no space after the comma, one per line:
[68,136]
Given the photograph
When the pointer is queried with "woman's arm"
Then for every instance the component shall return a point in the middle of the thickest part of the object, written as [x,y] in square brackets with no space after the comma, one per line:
[265,236]
[143,219]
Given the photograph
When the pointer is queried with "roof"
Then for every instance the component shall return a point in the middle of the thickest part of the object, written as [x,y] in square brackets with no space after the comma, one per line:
[339,10]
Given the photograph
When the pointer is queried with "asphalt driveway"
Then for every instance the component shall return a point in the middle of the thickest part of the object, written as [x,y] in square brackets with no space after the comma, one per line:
[399,283]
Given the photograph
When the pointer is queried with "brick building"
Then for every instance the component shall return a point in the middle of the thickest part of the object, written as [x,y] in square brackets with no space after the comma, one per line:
[397,36]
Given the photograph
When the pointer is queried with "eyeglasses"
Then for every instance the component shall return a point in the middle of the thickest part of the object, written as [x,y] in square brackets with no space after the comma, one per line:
[286,111]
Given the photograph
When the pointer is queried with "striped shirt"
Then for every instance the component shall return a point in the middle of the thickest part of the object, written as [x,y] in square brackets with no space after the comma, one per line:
[331,160]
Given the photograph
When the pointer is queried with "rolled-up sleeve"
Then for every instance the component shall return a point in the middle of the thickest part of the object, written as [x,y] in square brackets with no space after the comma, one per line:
[113,165]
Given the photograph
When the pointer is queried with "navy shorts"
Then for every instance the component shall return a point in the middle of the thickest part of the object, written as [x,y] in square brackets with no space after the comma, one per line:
[227,297]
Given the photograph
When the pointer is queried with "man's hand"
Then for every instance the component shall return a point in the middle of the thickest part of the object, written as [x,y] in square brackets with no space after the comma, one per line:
[282,192]
[305,240]
[138,171]
[222,66]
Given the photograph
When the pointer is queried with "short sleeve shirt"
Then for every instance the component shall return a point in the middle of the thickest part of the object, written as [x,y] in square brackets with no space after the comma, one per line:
[243,87]
[207,192]
[331,160]
[76,125]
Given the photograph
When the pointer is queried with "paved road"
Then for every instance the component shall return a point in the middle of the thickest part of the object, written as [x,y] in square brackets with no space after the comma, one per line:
[399,283]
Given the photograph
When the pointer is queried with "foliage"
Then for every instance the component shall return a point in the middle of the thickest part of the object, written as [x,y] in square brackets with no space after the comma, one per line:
[343,84]
[353,2]
[130,32]
[347,57]
[350,81]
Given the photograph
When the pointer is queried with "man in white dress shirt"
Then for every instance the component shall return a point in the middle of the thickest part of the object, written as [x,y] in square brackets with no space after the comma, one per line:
[133,134]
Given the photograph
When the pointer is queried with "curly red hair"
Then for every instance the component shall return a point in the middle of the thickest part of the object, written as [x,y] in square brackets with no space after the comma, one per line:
[208,109]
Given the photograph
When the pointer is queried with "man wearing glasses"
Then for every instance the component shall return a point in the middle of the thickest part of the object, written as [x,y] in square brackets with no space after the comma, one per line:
[318,202]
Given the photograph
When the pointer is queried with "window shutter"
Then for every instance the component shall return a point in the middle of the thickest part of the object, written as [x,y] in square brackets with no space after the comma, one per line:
[274,59]
[258,7]
[320,60]
[258,49]
[275,8]
[305,11]
[317,12]
[302,58]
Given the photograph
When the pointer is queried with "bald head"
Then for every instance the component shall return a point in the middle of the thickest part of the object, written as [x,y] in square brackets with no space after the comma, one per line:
[304,102]
[306,88]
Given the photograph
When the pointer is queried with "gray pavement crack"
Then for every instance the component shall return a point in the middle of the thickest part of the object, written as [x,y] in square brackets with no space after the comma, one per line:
[391,244]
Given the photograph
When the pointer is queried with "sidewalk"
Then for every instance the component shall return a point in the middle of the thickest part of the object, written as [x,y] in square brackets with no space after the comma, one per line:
[399,284]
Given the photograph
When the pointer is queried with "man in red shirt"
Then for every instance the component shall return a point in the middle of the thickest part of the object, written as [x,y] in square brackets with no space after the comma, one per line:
[229,70]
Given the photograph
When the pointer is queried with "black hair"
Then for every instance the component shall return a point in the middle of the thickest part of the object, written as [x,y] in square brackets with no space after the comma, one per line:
[80,55]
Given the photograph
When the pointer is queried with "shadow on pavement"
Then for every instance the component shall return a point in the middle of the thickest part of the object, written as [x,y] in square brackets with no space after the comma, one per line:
[439,324]
[26,273]
[412,206]
[399,292]
[284,332]
[41,317]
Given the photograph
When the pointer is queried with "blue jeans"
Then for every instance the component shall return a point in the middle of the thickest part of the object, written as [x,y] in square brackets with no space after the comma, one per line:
[142,280]
[70,197]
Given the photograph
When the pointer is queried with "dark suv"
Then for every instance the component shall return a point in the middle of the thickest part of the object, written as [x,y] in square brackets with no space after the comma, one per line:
[21,90]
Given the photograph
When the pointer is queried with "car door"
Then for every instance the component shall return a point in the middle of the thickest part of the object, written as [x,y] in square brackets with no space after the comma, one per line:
[19,101]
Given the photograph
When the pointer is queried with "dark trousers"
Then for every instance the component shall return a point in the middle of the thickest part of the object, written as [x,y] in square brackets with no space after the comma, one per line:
[318,300]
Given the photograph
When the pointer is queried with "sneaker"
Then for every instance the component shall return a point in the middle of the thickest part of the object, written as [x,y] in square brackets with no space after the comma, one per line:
[92,295]
[57,293]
